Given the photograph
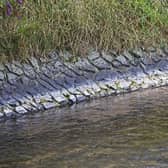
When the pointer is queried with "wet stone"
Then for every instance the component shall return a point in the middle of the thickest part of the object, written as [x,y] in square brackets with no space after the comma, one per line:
[46,97]
[58,65]
[28,107]
[47,80]
[72,69]
[108,58]
[67,82]
[14,69]
[101,63]
[122,59]
[128,56]
[133,71]
[93,55]
[50,69]
[156,58]
[84,65]
[20,98]
[48,105]
[79,80]
[80,98]
[46,85]
[58,84]
[114,75]
[11,76]
[8,112]
[13,102]
[124,84]
[84,91]
[74,91]
[2,75]
[34,62]
[1,115]
[150,69]
[58,97]
[102,75]
[29,71]
[32,91]
[138,53]
[54,55]
[151,49]
[163,65]
[147,60]
[2,67]
[71,98]
[95,87]
[66,56]
[86,72]
[25,80]
[116,63]
[20,110]
[1,101]
[165,50]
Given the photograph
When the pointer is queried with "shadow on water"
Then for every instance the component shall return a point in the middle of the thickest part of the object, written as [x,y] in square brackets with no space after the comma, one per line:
[124,131]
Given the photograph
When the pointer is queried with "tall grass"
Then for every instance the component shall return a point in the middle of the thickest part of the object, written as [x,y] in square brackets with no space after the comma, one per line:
[78,25]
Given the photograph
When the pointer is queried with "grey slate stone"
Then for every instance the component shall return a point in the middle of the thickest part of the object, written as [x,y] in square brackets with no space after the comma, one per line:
[151,49]
[48,105]
[107,57]
[165,50]
[138,53]
[1,115]
[14,69]
[21,110]
[55,83]
[2,67]
[11,76]
[34,63]
[147,60]
[8,112]
[29,71]
[163,65]
[122,59]
[93,55]
[2,75]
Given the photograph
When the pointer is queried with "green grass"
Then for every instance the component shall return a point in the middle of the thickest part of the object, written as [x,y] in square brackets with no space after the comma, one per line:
[78,25]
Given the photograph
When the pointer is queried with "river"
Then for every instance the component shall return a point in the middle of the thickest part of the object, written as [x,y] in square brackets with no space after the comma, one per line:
[125,131]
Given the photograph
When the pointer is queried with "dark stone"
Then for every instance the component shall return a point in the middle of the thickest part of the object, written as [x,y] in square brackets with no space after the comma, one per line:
[163,65]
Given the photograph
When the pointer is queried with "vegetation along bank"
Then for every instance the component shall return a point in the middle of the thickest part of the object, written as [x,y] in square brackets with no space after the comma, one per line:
[37,27]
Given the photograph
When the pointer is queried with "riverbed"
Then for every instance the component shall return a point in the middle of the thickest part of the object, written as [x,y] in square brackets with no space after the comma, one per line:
[129,130]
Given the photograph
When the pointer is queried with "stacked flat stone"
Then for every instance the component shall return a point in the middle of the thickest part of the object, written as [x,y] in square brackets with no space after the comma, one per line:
[40,84]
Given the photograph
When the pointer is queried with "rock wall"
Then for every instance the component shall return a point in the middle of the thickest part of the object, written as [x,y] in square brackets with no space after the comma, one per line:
[40,84]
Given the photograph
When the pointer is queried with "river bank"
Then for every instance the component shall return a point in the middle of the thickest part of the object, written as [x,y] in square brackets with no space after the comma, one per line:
[40,84]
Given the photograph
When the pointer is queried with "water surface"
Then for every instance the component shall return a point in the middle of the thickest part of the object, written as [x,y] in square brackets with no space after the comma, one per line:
[129,130]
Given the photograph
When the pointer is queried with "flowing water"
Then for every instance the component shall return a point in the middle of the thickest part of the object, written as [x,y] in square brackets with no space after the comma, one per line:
[123,131]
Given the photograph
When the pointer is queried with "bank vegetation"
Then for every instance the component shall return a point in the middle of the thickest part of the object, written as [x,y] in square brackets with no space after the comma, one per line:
[40,26]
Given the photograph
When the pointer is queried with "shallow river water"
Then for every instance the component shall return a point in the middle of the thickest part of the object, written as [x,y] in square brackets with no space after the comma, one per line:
[126,131]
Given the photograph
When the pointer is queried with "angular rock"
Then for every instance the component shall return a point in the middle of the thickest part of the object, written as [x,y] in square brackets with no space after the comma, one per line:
[21,110]
[48,105]
[40,85]
[1,115]
[8,112]
[2,76]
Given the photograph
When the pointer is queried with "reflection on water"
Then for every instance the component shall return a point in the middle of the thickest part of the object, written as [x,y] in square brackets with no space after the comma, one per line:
[124,131]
